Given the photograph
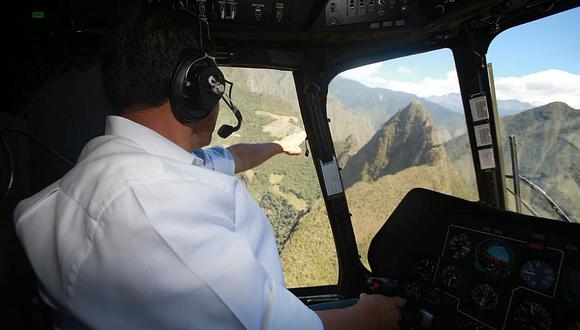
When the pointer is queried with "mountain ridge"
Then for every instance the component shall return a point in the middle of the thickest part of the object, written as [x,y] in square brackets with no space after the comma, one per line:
[406,139]
[453,102]
[548,139]
[380,104]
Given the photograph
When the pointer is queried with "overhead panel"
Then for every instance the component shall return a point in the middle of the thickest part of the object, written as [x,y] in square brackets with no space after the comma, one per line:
[235,14]
[378,13]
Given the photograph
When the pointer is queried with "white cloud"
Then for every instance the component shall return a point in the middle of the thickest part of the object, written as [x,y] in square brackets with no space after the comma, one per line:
[428,86]
[363,73]
[541,88]
[368,75]
[406,70]
[537,88]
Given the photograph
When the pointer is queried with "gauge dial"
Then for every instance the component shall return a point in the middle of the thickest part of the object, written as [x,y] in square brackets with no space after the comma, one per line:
[412,291]
[494,256]
[425,269]
[538,274]
[531,316]
[459,246]
[450,276]
[484,296]
[573,281]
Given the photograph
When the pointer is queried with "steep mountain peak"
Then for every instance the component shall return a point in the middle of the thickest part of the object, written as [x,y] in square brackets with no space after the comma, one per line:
[407,139]
[554,107]
[554,112]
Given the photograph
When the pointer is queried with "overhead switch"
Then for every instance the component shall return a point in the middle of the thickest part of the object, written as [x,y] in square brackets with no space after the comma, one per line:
[233,11]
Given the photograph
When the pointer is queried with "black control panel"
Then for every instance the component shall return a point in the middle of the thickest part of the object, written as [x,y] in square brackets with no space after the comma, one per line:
[382,13]
[274,13]
[462,265]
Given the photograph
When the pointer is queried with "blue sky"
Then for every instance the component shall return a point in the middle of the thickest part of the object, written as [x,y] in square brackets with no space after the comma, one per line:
[538,62]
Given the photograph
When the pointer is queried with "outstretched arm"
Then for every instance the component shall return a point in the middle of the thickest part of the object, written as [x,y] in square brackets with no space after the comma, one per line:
[249,155]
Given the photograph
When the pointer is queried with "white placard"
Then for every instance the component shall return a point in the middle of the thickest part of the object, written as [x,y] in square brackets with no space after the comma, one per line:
[331,177]
[482,135]
[478,106]
[486,158]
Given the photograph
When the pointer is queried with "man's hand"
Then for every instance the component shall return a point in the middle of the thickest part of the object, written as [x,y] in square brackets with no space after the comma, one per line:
[291,143]
[387,309]
[371,312]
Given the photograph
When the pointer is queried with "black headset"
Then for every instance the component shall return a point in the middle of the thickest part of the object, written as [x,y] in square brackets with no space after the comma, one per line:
[197,87]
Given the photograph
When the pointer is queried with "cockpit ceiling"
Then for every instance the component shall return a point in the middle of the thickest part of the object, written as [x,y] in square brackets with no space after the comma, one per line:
[282,33]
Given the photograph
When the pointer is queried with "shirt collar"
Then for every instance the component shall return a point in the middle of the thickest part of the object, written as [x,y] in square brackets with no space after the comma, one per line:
[151,141]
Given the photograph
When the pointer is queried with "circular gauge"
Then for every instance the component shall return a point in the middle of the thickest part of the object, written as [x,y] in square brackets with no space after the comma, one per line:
[484,296]
[425,269]
[471,325]
[538,274]
[573,326]
[494,256]
[573,281]
[412,291]
[459,246]
[531,316]
[450,276]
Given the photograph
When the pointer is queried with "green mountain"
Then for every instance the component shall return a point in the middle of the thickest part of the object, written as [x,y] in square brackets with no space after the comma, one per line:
[548,139]
[407,139]
[402,155]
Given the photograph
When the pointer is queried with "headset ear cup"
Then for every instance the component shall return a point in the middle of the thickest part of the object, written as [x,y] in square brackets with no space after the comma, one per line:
[192,97]
[179,99]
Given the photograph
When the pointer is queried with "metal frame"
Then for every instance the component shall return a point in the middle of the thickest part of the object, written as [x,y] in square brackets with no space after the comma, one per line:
[470,61]
[312,88]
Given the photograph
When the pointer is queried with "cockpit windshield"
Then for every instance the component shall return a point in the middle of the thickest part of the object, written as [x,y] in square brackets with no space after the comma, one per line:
[538,95]
[399,125]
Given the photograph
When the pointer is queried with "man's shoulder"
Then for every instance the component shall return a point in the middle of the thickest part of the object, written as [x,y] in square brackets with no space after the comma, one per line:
[110,165]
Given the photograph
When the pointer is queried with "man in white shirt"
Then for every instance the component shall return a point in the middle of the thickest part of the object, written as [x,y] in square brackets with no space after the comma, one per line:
[149,231]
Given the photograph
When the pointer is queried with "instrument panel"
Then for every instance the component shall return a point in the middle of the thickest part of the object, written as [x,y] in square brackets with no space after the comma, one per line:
[466,266]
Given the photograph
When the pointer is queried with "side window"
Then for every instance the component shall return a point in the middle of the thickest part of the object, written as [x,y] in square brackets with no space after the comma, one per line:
[537,82]
[398,125]
[286,187]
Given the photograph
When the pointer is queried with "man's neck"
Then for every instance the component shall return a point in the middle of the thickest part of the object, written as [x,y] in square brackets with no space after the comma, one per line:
[161,120]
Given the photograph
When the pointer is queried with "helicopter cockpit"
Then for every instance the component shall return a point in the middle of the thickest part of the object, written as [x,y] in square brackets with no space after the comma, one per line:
[461,264]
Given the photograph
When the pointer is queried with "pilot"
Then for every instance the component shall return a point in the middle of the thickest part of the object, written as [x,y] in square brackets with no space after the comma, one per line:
[149,230]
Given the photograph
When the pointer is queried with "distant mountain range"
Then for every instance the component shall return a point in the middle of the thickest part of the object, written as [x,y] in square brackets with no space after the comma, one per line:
[453,102]
[380,104]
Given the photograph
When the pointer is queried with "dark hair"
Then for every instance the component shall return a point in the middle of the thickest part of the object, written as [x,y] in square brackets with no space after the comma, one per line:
[139,57]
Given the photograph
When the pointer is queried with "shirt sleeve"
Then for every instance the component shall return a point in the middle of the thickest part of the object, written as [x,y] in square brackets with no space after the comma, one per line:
[217,159]
[214,249]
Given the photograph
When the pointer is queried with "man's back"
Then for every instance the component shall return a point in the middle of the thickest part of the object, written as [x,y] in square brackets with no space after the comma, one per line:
[135,236]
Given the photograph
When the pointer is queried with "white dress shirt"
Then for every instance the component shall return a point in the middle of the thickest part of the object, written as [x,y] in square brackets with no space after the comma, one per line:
[136,236]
